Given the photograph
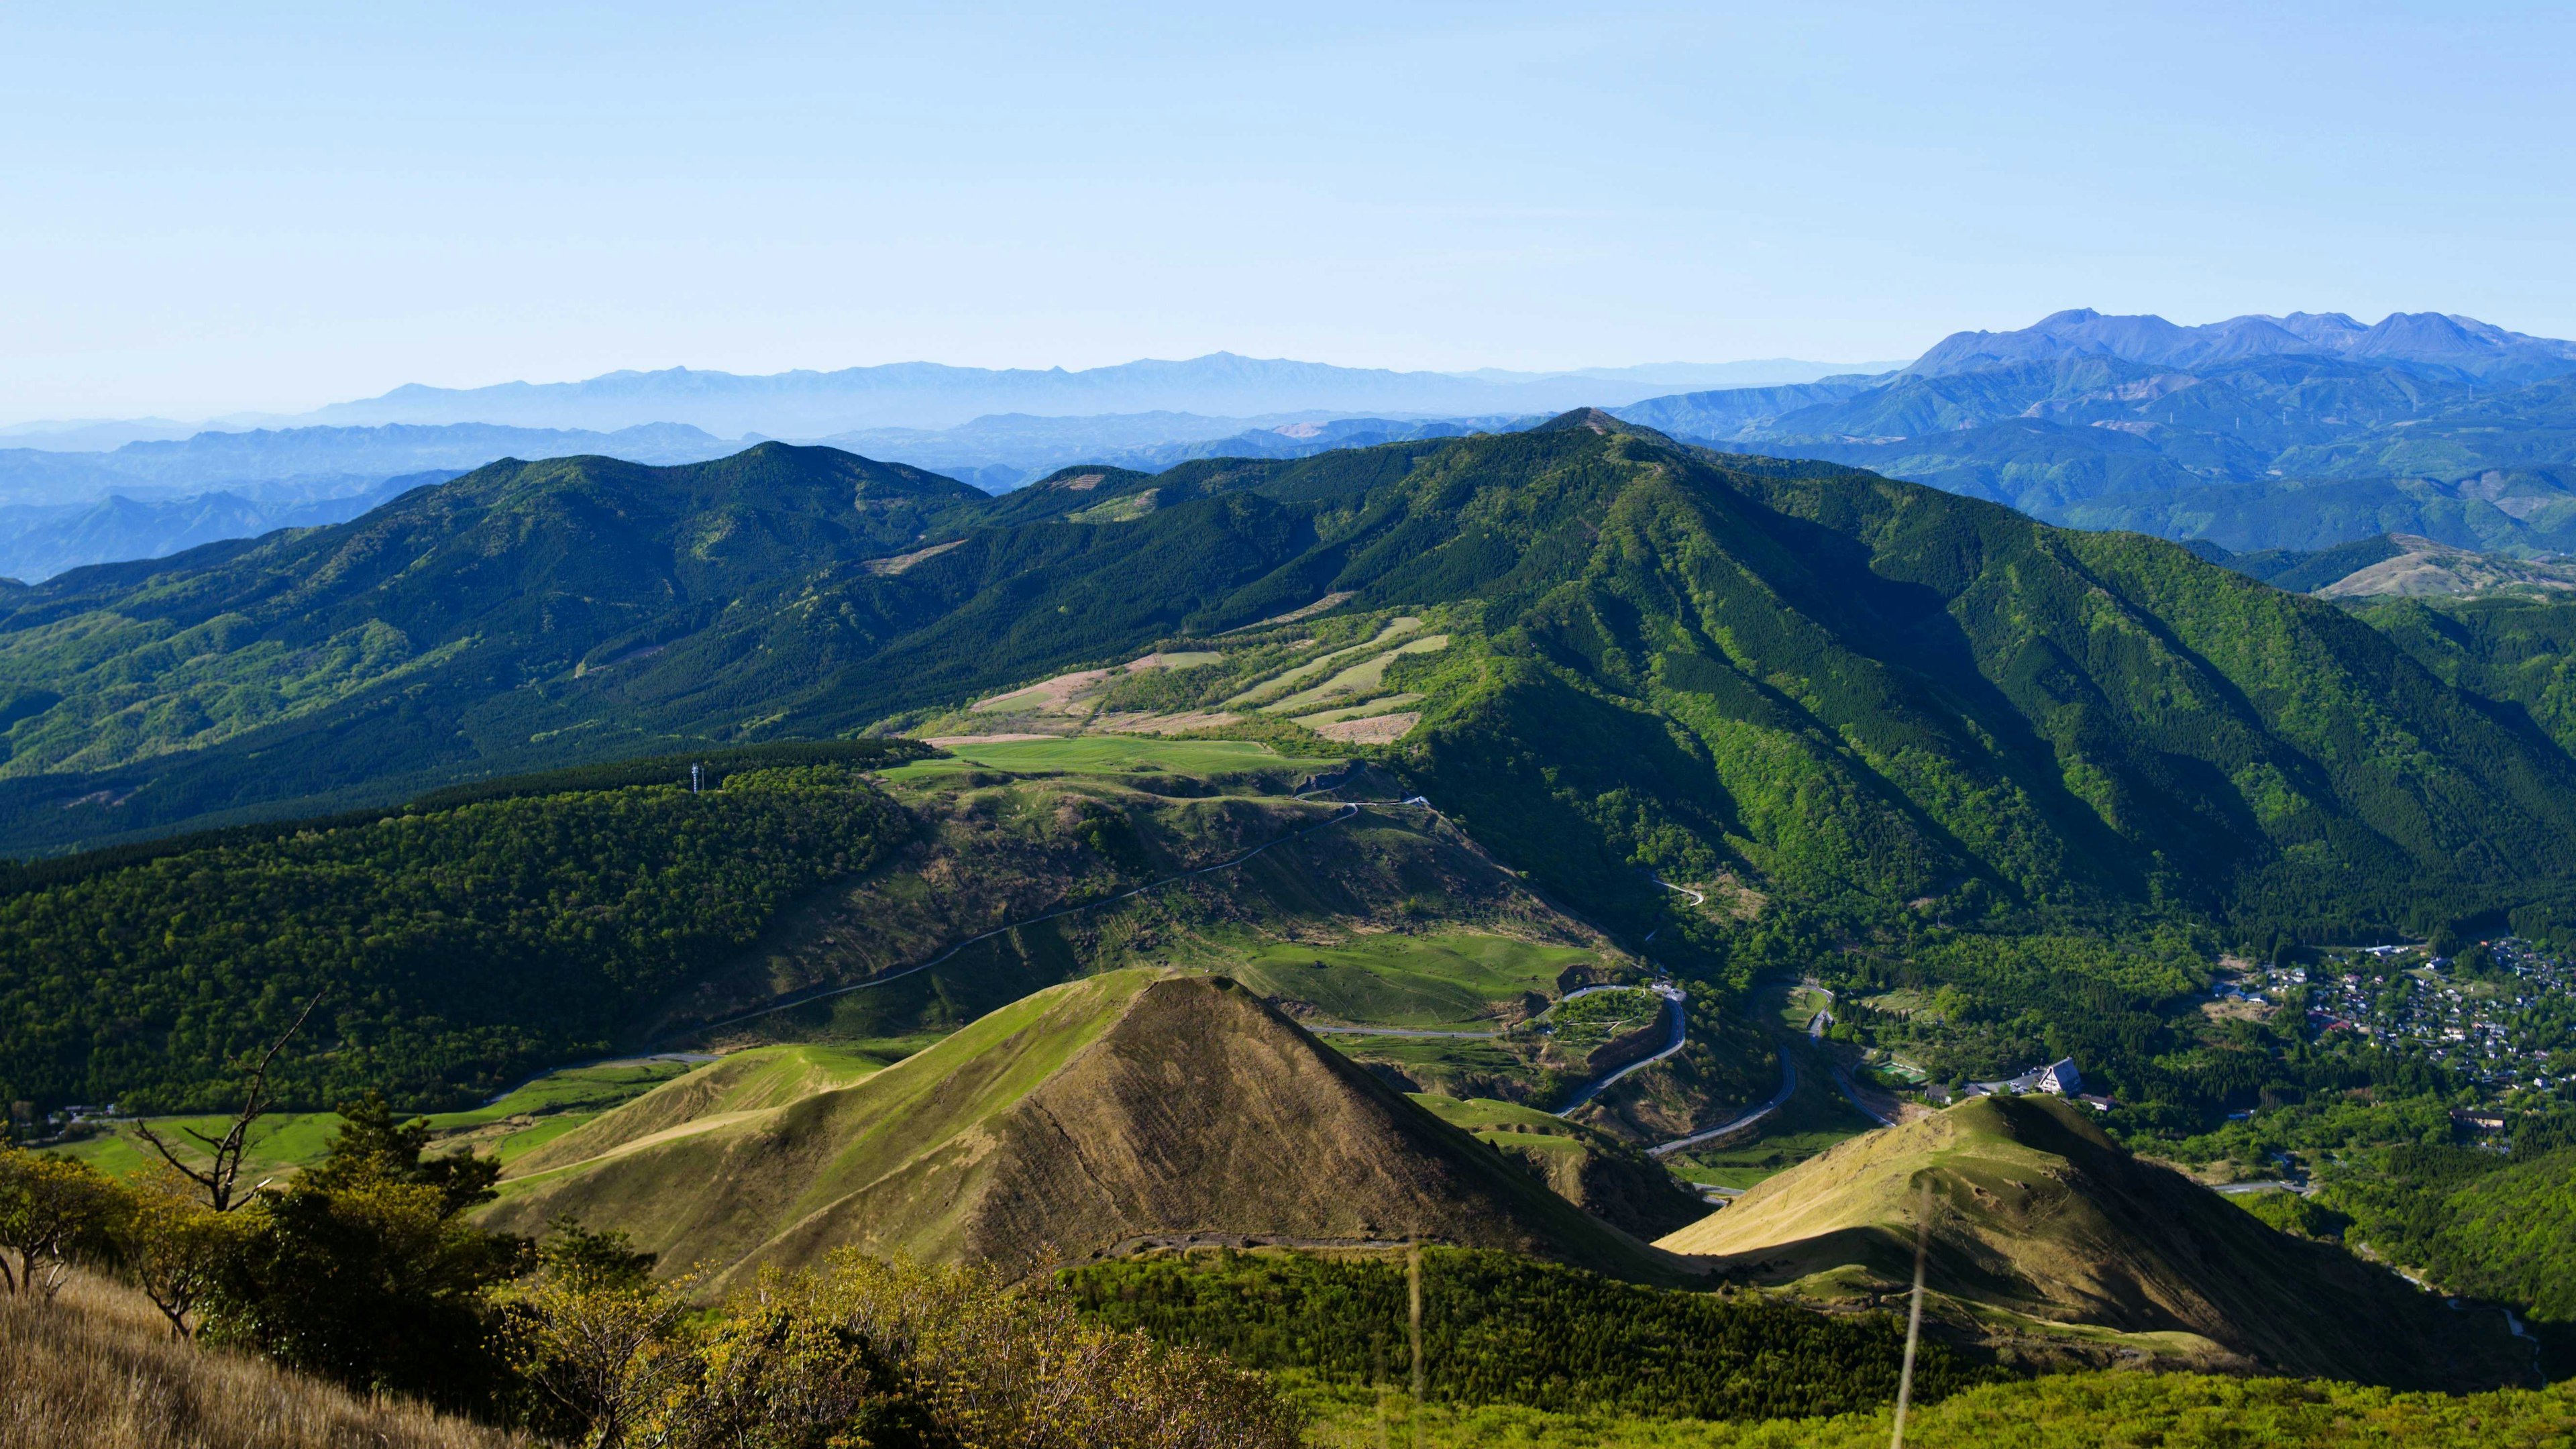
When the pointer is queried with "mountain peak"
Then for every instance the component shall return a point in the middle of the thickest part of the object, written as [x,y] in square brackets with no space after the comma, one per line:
[2428,338]
[1598,421]
[1077,1146]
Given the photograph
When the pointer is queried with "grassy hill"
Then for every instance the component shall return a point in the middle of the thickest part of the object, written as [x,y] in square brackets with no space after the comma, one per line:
[1130,1107]
[1596,1171]
[2038,1217]
[98,1368]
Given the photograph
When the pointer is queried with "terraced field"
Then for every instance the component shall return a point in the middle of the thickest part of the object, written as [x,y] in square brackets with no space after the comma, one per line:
[1329,677]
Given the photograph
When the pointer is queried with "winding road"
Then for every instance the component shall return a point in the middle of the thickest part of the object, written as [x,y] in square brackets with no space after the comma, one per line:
[1673,995]
[1673,999]
[1779,1099]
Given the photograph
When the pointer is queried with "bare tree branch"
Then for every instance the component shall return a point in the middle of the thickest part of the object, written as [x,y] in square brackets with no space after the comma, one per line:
[224,1171]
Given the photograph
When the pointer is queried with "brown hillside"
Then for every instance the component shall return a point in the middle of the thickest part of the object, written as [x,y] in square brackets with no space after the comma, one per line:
[1128,1107]
[2036,1212]
[97,1368]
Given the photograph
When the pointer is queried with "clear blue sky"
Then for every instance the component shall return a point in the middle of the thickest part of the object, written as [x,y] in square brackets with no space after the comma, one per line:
[219,207]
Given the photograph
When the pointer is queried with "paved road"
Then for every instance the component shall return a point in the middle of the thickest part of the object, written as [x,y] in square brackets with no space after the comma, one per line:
[1779,1099]
[1851,1094]
[1673,999]
[2281,1184]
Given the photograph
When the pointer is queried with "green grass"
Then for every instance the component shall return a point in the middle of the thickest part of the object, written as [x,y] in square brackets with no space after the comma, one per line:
[1799,1005]
[1109,755]
[1602,1017]
[511,1148]
[1506,1124]
[2059,1411]
[1416,1051]
[1446,982]
[1384,704]
[1317,665]
[288,1140]
[595,1088]
[1360,678]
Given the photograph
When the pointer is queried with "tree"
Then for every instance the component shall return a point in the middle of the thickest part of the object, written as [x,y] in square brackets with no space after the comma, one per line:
[364,1269]
[596,1334]
[50,1209]
[176,1248]
[219,1179]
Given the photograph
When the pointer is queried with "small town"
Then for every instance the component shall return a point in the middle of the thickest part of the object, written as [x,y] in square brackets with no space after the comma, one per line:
[2503,1013]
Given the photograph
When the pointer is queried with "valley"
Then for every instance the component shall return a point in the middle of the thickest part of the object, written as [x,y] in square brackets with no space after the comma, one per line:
[1566,847]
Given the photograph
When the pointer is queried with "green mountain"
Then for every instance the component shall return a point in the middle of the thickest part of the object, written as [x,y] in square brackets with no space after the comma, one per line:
[1850,712]
[1826,681]
[2037,1215]
[1132,1107]
[2495,510]
[2264,449]
[452,633]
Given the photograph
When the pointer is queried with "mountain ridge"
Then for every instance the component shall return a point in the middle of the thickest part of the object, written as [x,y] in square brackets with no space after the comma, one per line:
[2432,338]
[810,403]
[1955,712]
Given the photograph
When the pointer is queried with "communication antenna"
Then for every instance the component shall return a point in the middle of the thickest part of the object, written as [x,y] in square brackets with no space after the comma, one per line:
[1914,1316]
[693,779]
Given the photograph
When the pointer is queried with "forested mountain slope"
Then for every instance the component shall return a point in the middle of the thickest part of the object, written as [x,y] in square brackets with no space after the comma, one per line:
[1845,687]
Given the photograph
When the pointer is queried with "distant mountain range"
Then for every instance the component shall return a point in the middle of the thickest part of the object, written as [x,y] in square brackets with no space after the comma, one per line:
[814,405]
[2477,348]
[155,497]
[2296,432]
[39,541]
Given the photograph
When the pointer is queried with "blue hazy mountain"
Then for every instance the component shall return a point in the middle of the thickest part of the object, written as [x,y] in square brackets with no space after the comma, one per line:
[2295,432]
[815,405]
[272,465]
[2434,339]
[38,541]
[1000,453]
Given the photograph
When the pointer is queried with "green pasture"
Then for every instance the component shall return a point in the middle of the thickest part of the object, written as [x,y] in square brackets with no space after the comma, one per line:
[1364,677]
[1445,982]
[284,1141]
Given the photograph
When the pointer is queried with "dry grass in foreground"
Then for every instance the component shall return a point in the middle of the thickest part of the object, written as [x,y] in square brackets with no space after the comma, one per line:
[97,1368]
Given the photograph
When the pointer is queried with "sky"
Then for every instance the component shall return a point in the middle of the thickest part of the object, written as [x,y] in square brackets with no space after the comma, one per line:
[214,209]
